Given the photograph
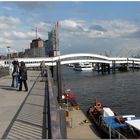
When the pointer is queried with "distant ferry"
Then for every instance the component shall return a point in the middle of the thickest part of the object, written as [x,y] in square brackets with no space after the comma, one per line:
[85,66]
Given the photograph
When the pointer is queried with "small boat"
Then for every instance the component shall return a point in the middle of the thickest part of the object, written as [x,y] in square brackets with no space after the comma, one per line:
[69,98]
[114,125]
[70,65]
[123,68]
[86,66]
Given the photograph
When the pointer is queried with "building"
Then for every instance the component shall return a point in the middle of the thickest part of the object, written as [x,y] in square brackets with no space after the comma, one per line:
[37,43]
[48,48]
[21,54]
[35,52]
[37,49]
[52,44]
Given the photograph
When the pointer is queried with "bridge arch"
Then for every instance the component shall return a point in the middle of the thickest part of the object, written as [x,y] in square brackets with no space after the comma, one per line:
[74,58]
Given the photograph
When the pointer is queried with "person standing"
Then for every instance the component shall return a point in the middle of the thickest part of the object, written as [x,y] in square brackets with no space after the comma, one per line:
[15,73]
[23,76]
[43,68]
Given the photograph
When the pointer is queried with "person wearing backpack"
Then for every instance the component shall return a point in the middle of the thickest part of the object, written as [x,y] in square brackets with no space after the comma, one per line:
[23,76]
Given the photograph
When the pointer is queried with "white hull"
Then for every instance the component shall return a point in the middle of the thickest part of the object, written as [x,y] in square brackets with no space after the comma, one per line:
[83,69]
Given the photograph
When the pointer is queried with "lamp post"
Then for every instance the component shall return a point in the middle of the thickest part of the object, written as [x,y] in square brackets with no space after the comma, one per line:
[8,48]
[67,92]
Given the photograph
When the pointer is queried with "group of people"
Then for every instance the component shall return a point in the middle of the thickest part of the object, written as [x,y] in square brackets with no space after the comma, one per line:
[19,75]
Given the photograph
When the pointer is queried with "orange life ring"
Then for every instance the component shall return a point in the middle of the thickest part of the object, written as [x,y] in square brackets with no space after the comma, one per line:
[98,105]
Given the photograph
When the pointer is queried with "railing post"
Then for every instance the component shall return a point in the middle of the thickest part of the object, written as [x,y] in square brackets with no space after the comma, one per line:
[98,67]
[133,65]
[52,70]
[59,82]
[108,68]
[113,66]
[102,68]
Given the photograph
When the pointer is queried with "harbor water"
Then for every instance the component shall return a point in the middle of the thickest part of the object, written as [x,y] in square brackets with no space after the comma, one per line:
[120,91]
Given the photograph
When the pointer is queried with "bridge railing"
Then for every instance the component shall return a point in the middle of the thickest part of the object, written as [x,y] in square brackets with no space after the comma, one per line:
[56,116]
[4,71]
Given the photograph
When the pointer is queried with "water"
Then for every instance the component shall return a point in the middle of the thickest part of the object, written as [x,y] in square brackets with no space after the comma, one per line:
[121,91]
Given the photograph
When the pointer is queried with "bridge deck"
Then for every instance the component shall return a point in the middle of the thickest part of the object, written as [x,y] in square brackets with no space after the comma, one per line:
[21,113]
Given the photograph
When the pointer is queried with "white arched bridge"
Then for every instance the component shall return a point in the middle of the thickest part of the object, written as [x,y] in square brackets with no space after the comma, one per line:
[74,58]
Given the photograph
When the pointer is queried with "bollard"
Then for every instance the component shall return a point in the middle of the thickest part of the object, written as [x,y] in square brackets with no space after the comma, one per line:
[71,122]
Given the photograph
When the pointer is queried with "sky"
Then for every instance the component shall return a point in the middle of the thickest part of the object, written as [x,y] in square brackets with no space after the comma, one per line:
[106,28]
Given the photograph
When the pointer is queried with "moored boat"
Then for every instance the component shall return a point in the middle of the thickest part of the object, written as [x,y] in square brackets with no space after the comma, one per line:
[114,125]
[83,66]
[69,98]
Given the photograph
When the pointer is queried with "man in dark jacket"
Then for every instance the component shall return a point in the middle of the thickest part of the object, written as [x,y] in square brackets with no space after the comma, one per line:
[15,73]
[23,76]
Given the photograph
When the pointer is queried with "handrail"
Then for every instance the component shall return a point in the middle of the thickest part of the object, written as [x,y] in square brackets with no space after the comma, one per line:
[54,128]
[113,131]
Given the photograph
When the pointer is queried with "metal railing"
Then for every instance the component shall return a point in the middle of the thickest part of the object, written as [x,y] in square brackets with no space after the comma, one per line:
[56,116]
[4,71]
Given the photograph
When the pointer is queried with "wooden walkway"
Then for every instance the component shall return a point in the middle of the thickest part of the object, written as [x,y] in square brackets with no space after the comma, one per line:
[27,119]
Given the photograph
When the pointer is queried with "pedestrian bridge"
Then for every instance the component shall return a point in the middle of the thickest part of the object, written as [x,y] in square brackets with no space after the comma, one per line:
[74,58]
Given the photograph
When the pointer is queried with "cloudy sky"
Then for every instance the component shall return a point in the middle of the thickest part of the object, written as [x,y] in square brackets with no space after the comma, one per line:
[111,28]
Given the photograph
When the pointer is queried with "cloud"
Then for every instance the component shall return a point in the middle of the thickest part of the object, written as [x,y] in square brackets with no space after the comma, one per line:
[71,25]
[22,35]
[134,34]
[13,34]
[27,35]
[117,28]
[97,28]
[6,34]
[100,28]
[8,22]
[98,36]
[44,26]
[4,40]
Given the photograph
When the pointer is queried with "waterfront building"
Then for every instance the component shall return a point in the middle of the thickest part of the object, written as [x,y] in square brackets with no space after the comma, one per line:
[14,55]
[52,44]
[21,54]
[37,49]
[35,52]
[37,43]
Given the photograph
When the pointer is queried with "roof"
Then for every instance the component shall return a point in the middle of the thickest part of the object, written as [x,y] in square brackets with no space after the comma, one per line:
[134,123]
[110,120]
[107,112]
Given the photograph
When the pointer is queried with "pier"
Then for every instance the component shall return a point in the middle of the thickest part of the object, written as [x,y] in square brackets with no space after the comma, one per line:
[78,126]
[37,113]
[20,111]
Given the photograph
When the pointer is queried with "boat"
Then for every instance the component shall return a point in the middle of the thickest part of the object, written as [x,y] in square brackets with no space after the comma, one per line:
[83,66]
[123,68]
[70,65]
[113,124]
[68,98]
